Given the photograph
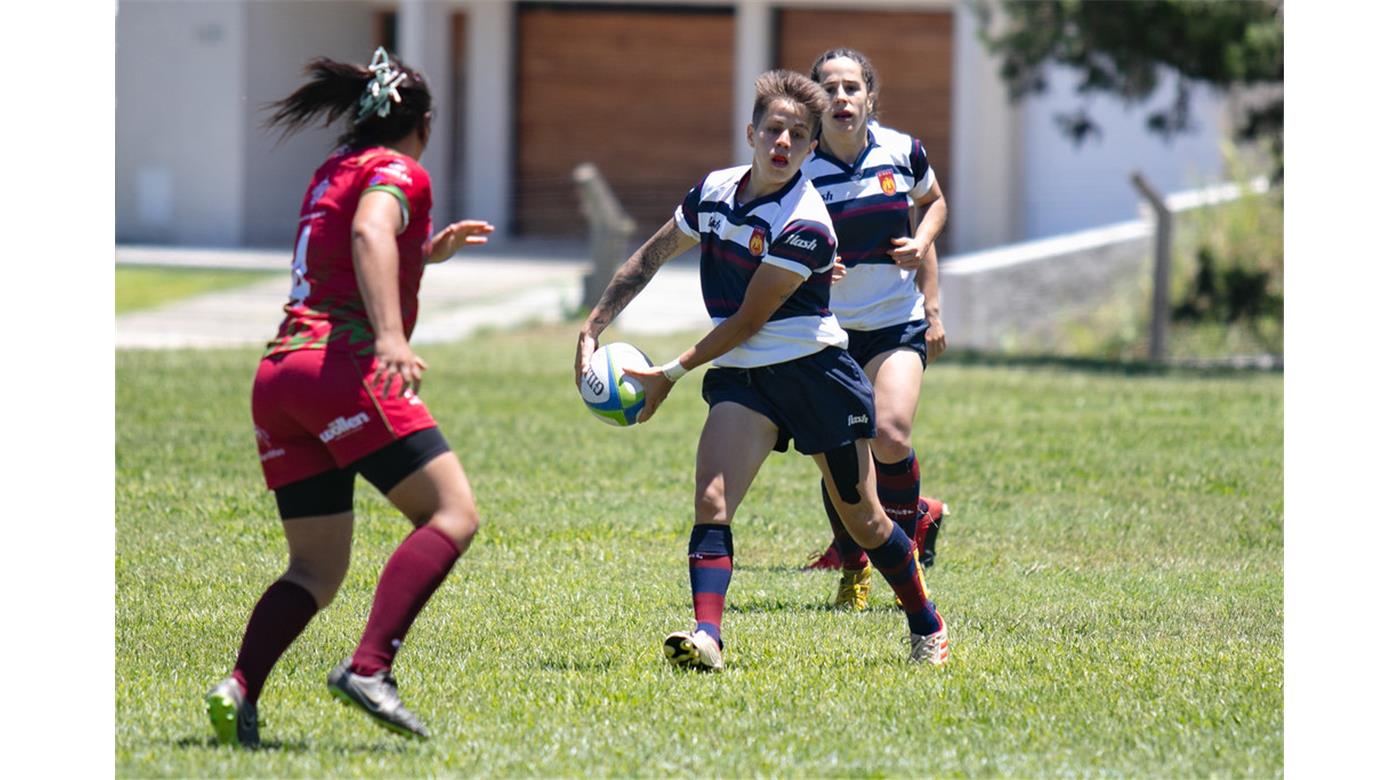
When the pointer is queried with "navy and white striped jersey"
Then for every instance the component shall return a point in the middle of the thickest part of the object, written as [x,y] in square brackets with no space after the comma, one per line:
[869,203]
[789,228]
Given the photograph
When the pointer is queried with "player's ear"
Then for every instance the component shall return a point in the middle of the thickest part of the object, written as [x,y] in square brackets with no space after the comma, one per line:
[749,133]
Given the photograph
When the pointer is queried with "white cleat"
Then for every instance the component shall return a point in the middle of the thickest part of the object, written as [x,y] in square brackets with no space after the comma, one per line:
[931,649]
[693,650]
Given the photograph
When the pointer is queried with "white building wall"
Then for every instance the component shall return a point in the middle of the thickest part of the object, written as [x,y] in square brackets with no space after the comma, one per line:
[490,112]
[179,149]
[1067,188]
[282,37]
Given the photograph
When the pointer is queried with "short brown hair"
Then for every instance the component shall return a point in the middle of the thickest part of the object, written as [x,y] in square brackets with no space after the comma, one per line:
[791,86]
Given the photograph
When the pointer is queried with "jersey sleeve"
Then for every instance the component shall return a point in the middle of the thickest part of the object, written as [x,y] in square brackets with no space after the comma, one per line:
[804,247]
[688,213]
[922,171]
[408,184]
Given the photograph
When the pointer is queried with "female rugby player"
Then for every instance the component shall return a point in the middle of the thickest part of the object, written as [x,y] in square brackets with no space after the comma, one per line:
[781,373]
[335,394]
[869,176]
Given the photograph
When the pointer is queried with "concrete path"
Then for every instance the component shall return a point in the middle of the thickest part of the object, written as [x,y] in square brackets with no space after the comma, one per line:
[506,285]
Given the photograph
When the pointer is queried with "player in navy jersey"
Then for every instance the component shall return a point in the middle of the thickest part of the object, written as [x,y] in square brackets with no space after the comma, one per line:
[870,177]
[782,375]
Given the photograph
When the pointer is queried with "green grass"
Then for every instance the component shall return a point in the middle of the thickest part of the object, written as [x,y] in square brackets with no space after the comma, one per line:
[1111,574]
[140,287]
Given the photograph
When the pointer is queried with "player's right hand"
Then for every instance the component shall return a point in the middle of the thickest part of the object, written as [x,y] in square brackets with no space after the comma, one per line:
[583,355]
[655,388]
[393,357]
[838,271]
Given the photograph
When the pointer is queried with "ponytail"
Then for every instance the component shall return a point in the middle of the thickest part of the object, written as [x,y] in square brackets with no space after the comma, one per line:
[389,100]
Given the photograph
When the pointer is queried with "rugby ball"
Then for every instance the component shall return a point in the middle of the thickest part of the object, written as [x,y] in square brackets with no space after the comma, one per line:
[610,395]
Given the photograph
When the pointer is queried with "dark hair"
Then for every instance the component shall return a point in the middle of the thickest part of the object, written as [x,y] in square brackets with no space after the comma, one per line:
[336,89]
[867,72]
[789,85]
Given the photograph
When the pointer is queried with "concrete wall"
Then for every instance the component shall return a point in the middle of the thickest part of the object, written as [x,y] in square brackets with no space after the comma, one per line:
[282,36]
[1018,297]
[179,123]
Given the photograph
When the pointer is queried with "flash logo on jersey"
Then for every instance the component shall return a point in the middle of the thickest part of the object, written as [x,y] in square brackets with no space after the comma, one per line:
[887,182]
[756,242]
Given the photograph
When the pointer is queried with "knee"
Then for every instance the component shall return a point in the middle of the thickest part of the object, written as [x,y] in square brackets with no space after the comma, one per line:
[320,578]
[459,522]
[893,440]
[866,522]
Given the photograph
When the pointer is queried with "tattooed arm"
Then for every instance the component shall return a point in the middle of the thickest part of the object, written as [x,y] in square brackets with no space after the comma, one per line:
[629,280]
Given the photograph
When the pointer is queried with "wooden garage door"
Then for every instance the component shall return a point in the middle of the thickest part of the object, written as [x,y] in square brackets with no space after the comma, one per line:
[644,94]
[913,54]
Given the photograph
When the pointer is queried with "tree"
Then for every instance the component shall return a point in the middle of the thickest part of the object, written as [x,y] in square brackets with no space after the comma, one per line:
[1128,48]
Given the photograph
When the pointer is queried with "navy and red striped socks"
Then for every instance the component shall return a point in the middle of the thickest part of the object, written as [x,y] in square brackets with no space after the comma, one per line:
[278,619]
[413,573]
[711,555]
[899,565]
[897,486]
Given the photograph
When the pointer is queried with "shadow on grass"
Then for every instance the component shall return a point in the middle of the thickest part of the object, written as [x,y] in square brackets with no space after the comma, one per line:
[293,746]
[1201,368]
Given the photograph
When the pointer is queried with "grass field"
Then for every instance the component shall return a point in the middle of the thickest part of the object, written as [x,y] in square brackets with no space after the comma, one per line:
[141,287]
[1112,575]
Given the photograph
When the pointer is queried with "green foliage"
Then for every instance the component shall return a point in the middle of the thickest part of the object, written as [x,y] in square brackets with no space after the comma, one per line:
[1111,573]
[1128,49]
[147,287]
[1228,268]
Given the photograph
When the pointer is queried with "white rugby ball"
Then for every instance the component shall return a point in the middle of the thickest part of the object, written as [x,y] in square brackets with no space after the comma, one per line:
[609,394]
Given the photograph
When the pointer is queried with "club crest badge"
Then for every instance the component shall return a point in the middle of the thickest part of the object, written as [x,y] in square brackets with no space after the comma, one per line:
[887,182]
[756,242]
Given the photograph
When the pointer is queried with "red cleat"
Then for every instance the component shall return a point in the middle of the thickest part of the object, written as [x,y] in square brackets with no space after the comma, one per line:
[926,531]
[830,559]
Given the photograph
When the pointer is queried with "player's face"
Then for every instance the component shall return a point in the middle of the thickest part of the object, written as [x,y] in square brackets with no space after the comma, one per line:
[781,141]
[850,99]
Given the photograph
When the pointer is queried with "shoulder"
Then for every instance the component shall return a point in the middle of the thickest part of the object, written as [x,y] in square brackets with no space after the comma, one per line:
[806,213]
[808,205]
[900,145]
[715,182]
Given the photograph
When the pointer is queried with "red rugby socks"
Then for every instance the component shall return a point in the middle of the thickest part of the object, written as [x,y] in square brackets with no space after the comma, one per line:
[410,578]
[277,620]
[897,485]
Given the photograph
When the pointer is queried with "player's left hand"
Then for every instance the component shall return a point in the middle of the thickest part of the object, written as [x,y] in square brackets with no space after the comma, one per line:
[908,253]
[655,387]
[934,338]
[457,235]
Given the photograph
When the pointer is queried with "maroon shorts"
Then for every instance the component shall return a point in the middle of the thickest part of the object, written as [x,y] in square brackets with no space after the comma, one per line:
[313,411]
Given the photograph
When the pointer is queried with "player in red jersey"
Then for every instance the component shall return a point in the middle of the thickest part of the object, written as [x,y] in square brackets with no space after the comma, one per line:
[336,392]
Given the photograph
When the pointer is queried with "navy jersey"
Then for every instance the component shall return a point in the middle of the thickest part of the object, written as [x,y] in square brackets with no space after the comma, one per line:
[869,203]
[789,228]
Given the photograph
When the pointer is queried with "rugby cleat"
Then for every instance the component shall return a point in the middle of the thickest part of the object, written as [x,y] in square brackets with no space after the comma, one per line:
[854,591]
[378,696]
[931,649]
[828,559]
[693,650]
[235,719]
[926,532]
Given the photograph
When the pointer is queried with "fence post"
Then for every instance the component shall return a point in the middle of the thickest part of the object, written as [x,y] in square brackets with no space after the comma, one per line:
[609,229]
[1161,267]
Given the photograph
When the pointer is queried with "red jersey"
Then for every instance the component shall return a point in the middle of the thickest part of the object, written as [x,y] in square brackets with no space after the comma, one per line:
[325,309]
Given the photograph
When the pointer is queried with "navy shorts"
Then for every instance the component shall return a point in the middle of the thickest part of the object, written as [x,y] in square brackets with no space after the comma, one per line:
[866,345]
[819,402]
